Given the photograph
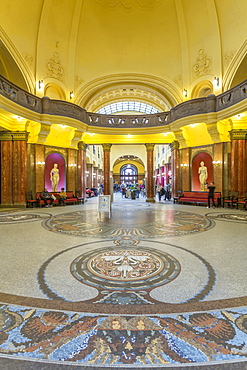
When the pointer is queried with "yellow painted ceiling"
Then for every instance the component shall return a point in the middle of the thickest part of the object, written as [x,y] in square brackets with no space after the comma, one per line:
[98,48]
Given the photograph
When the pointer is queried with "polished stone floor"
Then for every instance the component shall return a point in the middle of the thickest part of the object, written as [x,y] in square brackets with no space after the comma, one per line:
[148,285]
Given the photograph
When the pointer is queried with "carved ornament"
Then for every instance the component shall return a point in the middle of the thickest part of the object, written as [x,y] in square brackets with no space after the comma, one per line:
[54,67]
[213,132]
[149,147]
[238,134]
[180,138]
[106,147]
[174,145]
[82,145]
[43,133]
[202,65]
[129,5]
[13,136]
[207,149]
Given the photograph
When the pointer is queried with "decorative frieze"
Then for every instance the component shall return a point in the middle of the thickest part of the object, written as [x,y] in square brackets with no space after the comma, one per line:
[238,134]
[13,136]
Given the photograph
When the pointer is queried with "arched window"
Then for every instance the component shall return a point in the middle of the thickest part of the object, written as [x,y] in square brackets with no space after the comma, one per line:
[128,106]
[128,174]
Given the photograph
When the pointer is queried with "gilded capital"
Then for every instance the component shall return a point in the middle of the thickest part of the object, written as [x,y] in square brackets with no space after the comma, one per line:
[150,147]
[174,145]
[82,145]
[13,136]
[238,134]
[106,147]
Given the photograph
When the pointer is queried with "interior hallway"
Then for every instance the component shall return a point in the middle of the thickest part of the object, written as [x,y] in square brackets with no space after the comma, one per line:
[155,285]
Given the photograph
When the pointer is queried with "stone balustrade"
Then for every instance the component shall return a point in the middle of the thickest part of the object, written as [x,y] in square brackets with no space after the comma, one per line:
[191,107]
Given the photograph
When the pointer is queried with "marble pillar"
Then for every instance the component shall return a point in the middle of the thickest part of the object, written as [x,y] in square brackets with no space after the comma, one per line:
[14,167]
[106,151]
[175,167]
[150,173]
[239,161]
[81,170]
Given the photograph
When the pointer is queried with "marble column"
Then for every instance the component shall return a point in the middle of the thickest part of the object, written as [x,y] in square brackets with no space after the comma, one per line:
[185,170]
[106,151]
[175,164]
[14,168]
[95,176]
[150,173]
[89,175]
[71,170]
[81,170]
[239,161]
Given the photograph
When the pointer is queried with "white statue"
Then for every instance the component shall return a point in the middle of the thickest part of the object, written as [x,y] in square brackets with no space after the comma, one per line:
[54,176]
[203,175]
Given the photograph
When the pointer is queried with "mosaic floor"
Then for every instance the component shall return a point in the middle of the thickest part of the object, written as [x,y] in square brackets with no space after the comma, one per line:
[153,285]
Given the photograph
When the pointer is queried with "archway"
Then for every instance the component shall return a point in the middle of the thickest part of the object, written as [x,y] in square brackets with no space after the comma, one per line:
[207,159]
[51,159]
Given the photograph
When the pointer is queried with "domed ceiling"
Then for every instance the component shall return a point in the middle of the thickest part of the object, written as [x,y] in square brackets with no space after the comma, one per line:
[110,50]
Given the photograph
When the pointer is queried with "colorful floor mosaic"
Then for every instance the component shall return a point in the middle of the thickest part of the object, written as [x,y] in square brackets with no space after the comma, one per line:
[97,339]
[152,224]
[116,293]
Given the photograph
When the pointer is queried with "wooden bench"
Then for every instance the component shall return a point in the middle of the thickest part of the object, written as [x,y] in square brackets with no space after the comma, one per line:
[71,198]
[199,197]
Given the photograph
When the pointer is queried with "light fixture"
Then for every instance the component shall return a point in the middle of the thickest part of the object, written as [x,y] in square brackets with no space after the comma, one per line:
[185,92]
[216,81]
[40,164]
[71,95]
[41,84]
[217,163]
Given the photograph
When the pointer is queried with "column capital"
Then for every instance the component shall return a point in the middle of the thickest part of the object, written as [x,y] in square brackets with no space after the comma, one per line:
[89,165]
[13,136]
[106,147]
[82,145]
[179,137]
[214,132]
[149,147]
[238,134]
[174,145]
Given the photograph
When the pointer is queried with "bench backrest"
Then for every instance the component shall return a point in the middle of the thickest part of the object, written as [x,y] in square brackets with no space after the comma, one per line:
[199,194]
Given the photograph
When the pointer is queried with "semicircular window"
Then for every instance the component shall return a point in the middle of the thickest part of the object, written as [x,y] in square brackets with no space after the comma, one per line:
[128,106]
[128,173]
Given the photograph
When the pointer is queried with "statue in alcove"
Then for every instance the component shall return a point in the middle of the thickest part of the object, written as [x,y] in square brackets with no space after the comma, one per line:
[54,176]
[203,175]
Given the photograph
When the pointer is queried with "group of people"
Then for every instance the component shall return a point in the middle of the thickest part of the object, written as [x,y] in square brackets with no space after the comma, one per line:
[46,196]
[131,191]
[164,191]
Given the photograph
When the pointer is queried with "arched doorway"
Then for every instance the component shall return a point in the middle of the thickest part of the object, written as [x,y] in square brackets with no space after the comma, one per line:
[128,174]
[51,159]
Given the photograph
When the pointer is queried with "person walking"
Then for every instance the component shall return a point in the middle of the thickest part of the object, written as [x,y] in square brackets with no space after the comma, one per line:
[211,189]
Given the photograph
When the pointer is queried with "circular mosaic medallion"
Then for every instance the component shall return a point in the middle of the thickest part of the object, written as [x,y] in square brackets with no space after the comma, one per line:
[238,217]
[145,224]
[22,217]
[129,268]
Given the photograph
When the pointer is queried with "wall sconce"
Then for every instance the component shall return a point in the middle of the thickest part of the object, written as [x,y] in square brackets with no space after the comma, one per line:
[41,84]
[72,165]
[40,164]
[216,81]
[185,93]
[71,95]
[217,163]
[184,165]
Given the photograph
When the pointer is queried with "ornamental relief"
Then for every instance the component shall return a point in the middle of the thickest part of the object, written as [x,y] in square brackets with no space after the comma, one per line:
[207,149]
[29,59]
[228,58]
[202,65]
[54,68]
[129,5]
